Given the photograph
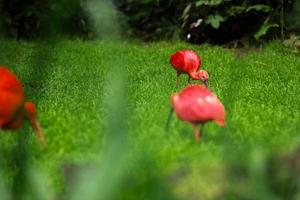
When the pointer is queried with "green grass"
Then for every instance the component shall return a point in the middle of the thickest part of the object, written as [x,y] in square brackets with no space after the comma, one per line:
[70,82]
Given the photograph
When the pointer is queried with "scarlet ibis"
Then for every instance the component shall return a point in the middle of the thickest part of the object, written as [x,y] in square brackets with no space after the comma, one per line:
[196,104]
[13,107]
[188,62]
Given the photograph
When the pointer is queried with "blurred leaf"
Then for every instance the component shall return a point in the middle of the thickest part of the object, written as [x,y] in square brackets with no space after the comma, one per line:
[259,7]
[235,10]
[264,29]
[214,20]
[104,178]
[4,194]
[40,184]
[209,2]
[186,11]
[104,18]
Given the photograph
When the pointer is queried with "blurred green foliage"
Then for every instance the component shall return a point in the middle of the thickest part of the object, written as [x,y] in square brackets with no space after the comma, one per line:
[44,18]
[23,18]
[223,20]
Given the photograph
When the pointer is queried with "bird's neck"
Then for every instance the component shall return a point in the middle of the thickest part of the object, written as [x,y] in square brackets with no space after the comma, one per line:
[195,75]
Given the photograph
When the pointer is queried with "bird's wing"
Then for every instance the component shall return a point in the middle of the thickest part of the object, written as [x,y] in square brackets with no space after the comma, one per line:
[192,61]
[210,108]
[185,108]
[195,103]
[203,105]
[11,104]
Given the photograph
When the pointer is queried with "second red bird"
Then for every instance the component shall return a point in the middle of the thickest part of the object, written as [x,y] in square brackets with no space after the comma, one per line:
[188,62]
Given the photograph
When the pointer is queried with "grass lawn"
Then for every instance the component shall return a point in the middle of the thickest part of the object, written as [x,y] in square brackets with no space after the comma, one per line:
[86,90]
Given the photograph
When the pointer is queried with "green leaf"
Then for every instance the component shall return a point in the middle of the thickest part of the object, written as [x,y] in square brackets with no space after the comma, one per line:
[200,3]
[259,7]
[186,11]
[264,29]
[214,20]
[208,2]
[235,10]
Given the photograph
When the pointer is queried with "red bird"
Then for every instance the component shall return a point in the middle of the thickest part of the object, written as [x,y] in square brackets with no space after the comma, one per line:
[13,108]
[188,62]
[196,104]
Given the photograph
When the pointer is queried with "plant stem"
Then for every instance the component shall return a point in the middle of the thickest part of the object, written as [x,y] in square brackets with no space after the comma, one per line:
[282,20]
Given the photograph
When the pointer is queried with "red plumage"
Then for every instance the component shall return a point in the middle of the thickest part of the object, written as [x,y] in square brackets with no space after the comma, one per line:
[196,104]
[185,61]
[188,62]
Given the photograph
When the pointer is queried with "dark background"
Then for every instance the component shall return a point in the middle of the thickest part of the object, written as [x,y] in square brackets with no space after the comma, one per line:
[223,21]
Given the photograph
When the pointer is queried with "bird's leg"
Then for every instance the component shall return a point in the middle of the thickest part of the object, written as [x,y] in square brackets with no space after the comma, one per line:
[169,119]
[38,131]
[197,132]
[177,81]
[201,128]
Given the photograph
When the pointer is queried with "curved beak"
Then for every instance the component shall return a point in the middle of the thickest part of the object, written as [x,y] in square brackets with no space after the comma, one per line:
[206,83]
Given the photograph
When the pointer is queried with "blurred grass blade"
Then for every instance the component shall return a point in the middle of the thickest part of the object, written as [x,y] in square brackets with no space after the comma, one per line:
[104,18]
[3,190]
[39,182]
[102,180]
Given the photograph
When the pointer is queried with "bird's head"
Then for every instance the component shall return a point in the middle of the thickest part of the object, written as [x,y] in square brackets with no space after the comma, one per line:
[203,76]
[31,115]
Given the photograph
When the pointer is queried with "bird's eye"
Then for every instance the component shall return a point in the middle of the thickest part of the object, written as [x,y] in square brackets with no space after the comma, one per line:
[203,76]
